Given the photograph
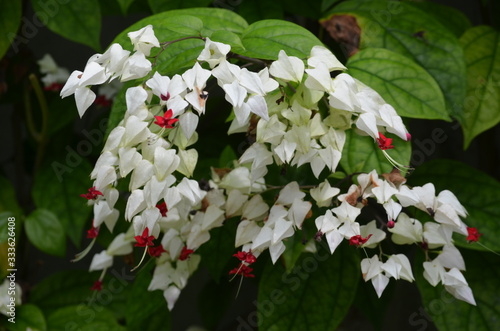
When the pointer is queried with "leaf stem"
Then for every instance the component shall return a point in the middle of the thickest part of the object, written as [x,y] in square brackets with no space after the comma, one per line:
[39,136]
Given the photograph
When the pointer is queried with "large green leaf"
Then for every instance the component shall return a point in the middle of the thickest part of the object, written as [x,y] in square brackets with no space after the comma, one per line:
[28,316]
[158,6]
[168,26]
[10,18]
[264,39]
[405,29]
[83,318]
[362,154]
[8,201]
[450,314]
[482,105]
[58,187]
[452,18]
[77,20]
[146,311]
[316,295]
[400,81]
[45,232]
[478,192]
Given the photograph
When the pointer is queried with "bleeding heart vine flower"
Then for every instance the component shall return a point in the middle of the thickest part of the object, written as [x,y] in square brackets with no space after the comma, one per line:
[294,114]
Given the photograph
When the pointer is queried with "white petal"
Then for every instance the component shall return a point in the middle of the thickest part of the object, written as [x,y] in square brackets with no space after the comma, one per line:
[84,98]
[101,261]
[171,294]
[368,123]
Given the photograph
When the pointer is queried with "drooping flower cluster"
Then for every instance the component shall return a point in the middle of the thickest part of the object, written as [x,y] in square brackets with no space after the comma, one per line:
[282,106]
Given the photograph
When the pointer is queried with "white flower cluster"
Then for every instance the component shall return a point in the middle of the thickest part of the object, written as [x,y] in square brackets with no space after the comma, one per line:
[293,126]
[114,63]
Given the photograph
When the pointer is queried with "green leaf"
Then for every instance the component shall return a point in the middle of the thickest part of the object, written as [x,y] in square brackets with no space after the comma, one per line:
[452,18]
[294,249]
[45,232]
[10,18]
[405,29]
[264,39]
[158,6]
[146,311]
[400,81]
[482,105]
[124,4]
[229,38]
[83,318]
[260,9]
[167,27]
[450,314]
[60,192]
[72,287]
[218,251]
[76,20]
[28,316]
[362,154]
[316,295]
[475,190]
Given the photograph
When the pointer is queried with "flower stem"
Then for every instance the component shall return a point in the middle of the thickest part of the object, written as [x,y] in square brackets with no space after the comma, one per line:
[39,136]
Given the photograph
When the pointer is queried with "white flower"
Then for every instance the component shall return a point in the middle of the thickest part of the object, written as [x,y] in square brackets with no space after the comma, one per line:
[246,232]
[214,52]
[376,235]
[290,193]
[113,60]
[406,230]
[372,270]
[434,272]
[320,54]
[255,208]
[319,78]
[450,257]
[136,66]
[324,193]
[101,261]
[346,213]
[144,39]
[52,72]
[196,79]
[455,283]
[398,266]
[287,68]
[121,245]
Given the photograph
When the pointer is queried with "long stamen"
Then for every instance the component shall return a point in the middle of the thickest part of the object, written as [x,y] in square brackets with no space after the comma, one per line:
[403,168]
[142,259]
[83,253]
